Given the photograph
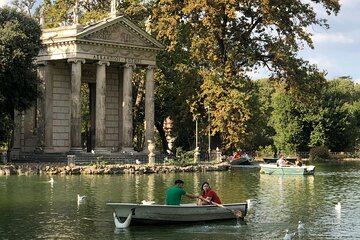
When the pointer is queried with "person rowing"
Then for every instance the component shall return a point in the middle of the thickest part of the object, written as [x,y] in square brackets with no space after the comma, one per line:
[281,162]
[174,194]
[208,195]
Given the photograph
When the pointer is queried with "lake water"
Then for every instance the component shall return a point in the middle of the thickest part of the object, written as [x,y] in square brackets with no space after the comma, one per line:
[33,208]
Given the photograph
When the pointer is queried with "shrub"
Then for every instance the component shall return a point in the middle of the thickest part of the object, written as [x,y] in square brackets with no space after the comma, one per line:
[318,154]
[266,151]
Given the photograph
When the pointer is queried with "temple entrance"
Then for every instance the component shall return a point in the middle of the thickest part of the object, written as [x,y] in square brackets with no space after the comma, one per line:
[88,116]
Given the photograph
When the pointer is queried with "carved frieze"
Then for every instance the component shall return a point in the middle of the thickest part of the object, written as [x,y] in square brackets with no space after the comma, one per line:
[117,33]
[95,52]
[116,54]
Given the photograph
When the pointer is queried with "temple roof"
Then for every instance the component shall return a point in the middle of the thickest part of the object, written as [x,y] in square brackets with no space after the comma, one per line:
[114,38]
[113,30]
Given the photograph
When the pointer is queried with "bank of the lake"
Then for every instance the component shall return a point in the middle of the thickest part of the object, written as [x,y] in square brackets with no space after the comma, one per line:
[96,169]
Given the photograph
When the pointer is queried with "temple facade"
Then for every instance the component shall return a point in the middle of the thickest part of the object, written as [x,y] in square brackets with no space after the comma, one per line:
[102,55]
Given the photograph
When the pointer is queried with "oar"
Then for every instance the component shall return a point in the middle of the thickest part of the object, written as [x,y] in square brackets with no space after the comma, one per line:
[237,213]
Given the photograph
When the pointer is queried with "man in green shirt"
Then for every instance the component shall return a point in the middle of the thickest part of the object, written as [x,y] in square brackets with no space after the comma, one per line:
[173,194]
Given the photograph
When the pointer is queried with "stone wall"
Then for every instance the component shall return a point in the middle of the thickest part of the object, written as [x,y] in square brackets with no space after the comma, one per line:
[112,108]
[95,169]
[61,106]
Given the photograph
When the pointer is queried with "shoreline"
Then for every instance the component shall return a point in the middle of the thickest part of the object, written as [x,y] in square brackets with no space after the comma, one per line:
[27,169]
[96,169]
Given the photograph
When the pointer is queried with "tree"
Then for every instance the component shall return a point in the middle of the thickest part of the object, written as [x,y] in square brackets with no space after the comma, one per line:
[212,46]
[24,5]
[340,116]
[225,40]
[19,45]
[260,131]
[60,11]
[286,120]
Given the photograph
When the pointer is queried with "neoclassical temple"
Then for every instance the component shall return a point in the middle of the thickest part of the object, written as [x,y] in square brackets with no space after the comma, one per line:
[102,55]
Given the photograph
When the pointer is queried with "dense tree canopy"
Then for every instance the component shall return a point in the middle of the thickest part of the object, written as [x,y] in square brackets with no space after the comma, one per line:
[331,120]
[227,40]
[212,49]
[19,45]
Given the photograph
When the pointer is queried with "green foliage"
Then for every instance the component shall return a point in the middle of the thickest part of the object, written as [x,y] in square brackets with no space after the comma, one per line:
[211,47]
[335,121]
[24,5]
[19,45]
[184,157]
[266,151]
[61,11]
[259,130]
[319,154]
[177,84]
[224,40]
[286,120]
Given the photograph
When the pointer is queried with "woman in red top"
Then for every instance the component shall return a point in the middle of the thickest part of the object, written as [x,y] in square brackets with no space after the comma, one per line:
[208,194]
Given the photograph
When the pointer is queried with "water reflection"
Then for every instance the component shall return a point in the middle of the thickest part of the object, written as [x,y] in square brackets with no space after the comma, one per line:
[280,202]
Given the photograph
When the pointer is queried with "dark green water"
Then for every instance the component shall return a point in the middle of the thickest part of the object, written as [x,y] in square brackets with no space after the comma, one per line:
[32,208]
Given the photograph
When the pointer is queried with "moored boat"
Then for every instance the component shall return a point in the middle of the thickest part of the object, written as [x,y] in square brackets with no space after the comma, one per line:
[273,169]
[240,161]
[169,214]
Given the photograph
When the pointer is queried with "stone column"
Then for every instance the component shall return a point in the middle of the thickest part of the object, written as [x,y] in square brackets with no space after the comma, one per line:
[16,148]
[45,107]
[120,100]
[100,105]
[41,103]
[149,105]
[127,118]
[75,119]
[151,156]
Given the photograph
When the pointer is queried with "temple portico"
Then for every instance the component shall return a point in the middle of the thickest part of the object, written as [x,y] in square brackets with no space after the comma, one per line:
[101,57]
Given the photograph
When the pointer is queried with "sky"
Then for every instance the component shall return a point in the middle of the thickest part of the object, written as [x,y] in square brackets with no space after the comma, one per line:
[337,50]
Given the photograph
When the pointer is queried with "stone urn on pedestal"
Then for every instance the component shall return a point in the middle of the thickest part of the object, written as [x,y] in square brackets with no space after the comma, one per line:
[218,155]
[151,148]
[196,155]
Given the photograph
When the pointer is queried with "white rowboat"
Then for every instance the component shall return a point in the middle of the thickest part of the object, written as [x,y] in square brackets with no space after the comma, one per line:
[169,214]
[273,169]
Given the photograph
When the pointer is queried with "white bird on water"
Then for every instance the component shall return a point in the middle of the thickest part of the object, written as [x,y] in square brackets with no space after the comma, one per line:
[80,199]
[338,207]
[289,236]
[51,180]
[92,151]
[301,226]
[137,161]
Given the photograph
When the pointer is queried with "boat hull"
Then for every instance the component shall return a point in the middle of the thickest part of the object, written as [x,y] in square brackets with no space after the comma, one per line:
[168,214]
[240,161]
[272,169]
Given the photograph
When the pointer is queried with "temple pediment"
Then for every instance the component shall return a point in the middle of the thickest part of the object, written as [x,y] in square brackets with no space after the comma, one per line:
[114,39]
[118,34]
[120,31]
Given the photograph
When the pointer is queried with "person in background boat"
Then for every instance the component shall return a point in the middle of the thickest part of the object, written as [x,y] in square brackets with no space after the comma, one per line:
[235,155]
[299,162]
[208,195]
[281,162]
[245,155]
[174,194]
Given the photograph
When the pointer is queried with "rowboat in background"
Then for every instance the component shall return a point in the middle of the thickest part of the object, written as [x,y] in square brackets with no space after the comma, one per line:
[244,159]
[273,169]
[240,161]
[141,214]
[273,160]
